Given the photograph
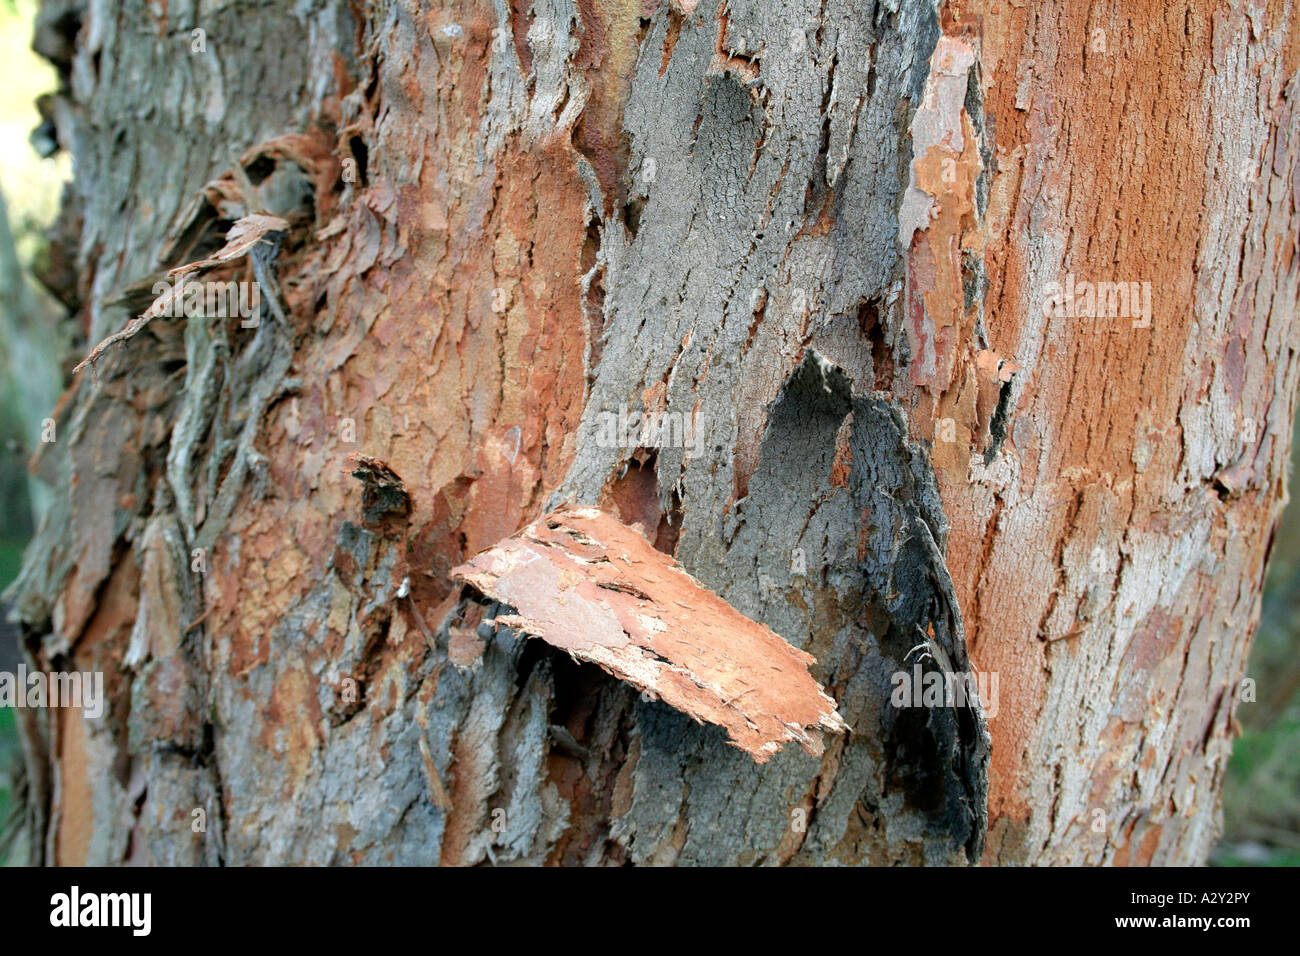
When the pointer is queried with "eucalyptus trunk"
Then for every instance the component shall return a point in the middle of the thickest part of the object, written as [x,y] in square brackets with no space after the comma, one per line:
[976,323]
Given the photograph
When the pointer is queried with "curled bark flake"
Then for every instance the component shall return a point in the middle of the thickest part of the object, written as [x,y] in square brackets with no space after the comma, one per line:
[241,240]
[384,495]
[243,236]
[589,585]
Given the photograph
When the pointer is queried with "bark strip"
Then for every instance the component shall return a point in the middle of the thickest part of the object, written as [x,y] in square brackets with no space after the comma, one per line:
[587,584]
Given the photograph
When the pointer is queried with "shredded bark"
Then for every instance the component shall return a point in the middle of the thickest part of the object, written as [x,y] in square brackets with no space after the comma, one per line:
[240,240]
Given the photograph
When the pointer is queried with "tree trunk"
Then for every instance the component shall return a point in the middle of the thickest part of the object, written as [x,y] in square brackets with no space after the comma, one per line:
[855,251]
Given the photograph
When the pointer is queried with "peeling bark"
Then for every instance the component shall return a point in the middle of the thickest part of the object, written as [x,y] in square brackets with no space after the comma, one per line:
[588,585]
[817,239]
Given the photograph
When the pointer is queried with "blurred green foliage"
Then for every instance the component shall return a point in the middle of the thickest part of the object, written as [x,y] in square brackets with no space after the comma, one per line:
[31,191]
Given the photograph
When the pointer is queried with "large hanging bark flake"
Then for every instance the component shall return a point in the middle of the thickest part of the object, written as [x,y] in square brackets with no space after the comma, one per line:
[587,584]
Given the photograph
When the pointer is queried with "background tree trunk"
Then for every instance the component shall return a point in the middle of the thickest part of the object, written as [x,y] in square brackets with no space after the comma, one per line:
[824,231]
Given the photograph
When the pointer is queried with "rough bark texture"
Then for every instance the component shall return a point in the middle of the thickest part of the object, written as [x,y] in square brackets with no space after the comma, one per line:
[823,232]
